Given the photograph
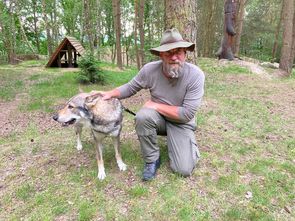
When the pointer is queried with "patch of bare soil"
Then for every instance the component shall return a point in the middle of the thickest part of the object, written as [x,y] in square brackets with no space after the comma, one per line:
[250,65]
[13,121]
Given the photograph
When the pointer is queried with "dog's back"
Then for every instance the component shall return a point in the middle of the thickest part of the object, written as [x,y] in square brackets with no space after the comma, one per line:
[105,115]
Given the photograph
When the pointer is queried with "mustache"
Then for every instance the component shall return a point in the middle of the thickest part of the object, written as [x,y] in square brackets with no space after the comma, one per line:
[175,62]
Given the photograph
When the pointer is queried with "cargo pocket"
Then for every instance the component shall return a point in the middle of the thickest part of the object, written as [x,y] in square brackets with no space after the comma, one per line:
[195,151]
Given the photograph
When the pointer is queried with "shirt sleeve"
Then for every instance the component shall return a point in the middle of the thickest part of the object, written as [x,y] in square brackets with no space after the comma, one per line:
[193,98]
[136,84]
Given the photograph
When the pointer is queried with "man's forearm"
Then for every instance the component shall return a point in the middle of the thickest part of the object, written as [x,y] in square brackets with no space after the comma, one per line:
[164,109]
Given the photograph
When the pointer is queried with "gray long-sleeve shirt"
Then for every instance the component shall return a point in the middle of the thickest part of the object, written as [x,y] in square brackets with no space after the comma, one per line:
[186,92]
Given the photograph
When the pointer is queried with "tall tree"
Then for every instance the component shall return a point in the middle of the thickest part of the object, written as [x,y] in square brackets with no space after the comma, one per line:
[240,12]
[7,25]
[88,23]
[19,5]
[226,49]
[139,28]
[292,56]
[181,14]
[117,24]
[288,13]
[209,21]
[47,27]
[276,38]
[136,17]
[35,10]
[72,11]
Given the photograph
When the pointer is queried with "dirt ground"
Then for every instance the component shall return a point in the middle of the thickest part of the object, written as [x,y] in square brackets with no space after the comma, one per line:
[14,121]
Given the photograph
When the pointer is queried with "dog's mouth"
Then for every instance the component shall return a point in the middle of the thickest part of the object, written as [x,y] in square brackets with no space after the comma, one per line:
[69,122]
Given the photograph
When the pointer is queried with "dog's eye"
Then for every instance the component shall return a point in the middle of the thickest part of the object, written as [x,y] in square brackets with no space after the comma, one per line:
[70,106]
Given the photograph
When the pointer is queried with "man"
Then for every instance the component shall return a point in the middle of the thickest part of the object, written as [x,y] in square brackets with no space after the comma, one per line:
[176,89]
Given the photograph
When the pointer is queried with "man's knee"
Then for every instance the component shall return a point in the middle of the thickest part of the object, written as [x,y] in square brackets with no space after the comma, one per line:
[143,116]
[145,122]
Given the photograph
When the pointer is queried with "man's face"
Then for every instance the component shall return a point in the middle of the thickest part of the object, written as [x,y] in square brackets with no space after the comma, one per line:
[173,61]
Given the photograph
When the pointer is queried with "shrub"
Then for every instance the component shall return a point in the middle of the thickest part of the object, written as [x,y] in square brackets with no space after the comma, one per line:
[90,70]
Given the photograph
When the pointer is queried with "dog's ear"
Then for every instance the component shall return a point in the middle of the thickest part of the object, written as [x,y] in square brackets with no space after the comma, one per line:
[91,100]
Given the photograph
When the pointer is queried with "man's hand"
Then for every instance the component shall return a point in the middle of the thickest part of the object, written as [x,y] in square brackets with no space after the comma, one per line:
[106,95]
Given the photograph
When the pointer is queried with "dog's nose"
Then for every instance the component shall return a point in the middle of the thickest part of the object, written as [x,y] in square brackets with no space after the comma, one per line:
[55,117]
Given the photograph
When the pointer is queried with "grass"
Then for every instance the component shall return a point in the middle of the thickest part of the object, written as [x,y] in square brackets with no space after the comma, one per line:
[245,134]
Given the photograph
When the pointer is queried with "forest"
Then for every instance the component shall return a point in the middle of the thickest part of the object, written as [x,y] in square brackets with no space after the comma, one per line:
[123,31]
[245,124]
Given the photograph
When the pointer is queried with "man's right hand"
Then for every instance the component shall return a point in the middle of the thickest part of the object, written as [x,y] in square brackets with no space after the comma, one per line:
[106,95]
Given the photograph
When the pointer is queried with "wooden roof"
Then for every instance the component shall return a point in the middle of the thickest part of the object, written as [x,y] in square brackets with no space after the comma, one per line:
[73,41]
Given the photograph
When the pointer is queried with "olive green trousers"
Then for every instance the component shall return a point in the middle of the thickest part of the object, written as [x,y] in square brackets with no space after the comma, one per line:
[181,142]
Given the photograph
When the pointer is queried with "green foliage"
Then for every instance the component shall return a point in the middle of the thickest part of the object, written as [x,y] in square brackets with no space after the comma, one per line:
[90,70]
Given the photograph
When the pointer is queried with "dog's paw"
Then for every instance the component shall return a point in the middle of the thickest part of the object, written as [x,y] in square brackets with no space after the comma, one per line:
[101,175]
[79,147]
[122,166]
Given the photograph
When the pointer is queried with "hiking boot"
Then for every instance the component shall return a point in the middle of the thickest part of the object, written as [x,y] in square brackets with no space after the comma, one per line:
[150,169]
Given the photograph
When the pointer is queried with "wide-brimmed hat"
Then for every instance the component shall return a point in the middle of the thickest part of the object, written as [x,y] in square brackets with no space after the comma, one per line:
[172,39]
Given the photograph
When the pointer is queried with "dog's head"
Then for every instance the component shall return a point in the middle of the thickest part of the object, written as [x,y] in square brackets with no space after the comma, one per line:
[73,111]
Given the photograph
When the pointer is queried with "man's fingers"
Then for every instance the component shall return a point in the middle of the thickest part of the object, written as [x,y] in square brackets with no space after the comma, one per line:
[95,92]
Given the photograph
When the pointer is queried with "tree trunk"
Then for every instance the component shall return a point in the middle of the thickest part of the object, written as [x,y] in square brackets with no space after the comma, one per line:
[288,12]
[36,32]
[98,29]
[208,34]
[87,24]
[181,14]
[226,49]
[239,26]
[47,27]
[141,31]
[292,56]
[117,25]
[7,25]
[136,11]
[275,44]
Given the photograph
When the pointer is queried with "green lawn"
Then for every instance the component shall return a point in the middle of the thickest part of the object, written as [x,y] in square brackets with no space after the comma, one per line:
[246,135]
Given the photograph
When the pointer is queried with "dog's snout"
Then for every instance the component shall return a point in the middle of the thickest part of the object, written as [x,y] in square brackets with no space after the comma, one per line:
[55,117]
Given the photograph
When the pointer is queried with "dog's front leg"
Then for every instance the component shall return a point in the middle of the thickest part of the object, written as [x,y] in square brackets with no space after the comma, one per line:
[78,131]
[100,165]
[122,166]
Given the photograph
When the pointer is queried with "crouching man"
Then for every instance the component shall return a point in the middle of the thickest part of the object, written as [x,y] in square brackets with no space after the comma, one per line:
[176,88]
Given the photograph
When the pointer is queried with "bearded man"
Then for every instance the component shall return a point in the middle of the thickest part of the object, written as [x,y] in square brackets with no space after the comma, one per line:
[176,88]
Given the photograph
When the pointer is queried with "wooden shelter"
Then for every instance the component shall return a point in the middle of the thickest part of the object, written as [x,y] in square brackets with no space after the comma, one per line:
[66,54]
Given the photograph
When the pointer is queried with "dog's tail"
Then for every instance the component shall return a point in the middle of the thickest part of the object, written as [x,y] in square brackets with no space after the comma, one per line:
[128,111]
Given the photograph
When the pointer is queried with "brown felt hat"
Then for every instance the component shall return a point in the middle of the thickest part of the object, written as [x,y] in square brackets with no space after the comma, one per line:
[172,39]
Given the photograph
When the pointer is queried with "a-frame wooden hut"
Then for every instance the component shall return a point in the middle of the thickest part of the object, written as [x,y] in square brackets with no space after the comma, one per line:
[66,54]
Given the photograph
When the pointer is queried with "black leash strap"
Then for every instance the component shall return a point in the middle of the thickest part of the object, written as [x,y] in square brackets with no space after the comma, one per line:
[129,111]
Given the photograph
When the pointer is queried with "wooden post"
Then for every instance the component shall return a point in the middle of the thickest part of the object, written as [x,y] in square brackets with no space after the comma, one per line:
[70,63]
[75,58]
[58,60]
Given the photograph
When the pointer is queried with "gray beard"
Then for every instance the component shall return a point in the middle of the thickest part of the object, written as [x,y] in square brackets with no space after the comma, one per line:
[172,72]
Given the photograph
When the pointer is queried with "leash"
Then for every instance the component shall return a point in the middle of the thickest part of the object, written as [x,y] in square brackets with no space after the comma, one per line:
[129,111]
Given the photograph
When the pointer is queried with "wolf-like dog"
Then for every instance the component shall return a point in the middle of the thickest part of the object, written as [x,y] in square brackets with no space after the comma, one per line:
[103,117]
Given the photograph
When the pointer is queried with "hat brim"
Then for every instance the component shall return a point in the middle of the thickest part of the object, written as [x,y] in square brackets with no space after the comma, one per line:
[167,47]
